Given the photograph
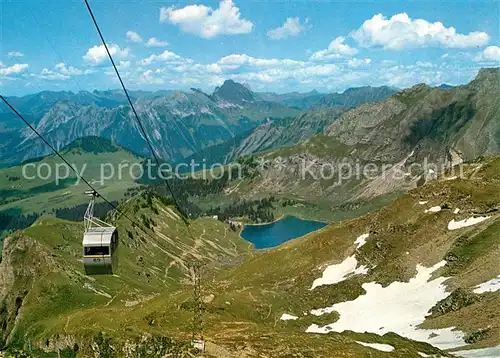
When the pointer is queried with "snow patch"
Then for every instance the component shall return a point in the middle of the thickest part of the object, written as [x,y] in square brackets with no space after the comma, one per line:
[492,352]
[378,346]
[206,111]
[456,211]
[454,225]
[407,306]
[423,202]
[361,240]
[492,285]
[339,272]
[423,354]
[157,134]
[434,209]
[288,317]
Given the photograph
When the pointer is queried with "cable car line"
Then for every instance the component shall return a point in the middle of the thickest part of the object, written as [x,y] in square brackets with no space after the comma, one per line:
[70,166]
[178,207]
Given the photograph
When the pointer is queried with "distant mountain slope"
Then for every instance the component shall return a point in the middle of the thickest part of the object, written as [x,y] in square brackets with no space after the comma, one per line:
[276,133]
[415,128]
[178,123]
[429,120]
[57,186]
[352,97]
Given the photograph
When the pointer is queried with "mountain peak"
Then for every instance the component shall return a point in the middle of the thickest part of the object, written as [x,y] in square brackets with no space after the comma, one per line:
[234,92]
[486,74]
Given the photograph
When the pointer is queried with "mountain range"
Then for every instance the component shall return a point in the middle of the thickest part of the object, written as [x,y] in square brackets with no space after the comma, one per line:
[407,265]
[179,124]
[422,124]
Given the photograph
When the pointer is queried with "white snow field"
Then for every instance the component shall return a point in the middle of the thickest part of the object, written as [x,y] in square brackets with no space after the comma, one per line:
[378,346]
[488,286]
[288,317]
[361,240]
[400,307]
[454,225]
[339,272]
[492,352]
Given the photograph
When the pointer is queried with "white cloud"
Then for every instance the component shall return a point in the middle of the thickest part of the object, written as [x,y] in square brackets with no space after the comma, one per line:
[123,65]
[60,72]
[355,63]
[13,70]
[134,36]
[400,31]
[291,27]
[276,75]
[490,53]
[237,60]
[149,77]
[15,54]
[336,49]
[97,54]
[154,42]
[51,75]
[206,22]
[70,71]
[166,56]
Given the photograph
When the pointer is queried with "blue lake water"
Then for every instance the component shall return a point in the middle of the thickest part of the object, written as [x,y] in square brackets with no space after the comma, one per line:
[274,234]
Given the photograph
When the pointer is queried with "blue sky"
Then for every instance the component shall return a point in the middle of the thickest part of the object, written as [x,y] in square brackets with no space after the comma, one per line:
[270,45]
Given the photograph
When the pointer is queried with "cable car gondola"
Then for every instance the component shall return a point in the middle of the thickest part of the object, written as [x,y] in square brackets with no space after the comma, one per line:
[100,241]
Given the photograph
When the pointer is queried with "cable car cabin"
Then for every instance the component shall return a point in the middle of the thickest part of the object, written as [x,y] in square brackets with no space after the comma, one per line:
[99,250]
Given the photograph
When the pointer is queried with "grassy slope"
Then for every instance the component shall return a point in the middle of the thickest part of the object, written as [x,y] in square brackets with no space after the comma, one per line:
[243,313]
[272,279]
[37,195]
[42,274]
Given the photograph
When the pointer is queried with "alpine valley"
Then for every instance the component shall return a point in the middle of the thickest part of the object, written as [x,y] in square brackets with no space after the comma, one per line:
[404,265]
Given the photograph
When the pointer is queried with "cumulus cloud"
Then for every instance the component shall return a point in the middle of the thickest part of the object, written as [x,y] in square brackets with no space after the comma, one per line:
[134,36]
[336,49]
[166,56]
[237,60]
[97,54]
[60,72]
[400,31]
[51,75]
[303,74]
[489,54]
[15,54]
[291,27]
[13,70]
[154,42]
[355,62]
[149,77]
[206,22]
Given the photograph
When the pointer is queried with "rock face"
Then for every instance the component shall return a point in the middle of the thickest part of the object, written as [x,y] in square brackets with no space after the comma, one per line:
[429,120]
[233,92]
[418,132]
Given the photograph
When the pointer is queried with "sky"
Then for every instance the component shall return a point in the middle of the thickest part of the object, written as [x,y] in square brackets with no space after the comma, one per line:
[279,46]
